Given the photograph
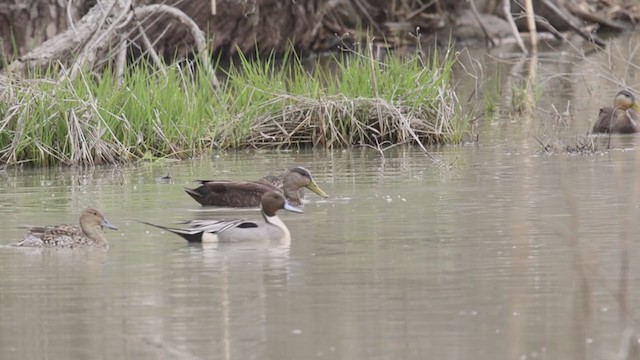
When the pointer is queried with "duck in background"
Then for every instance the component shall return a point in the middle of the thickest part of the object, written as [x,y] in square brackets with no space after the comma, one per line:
[270,229]
[69,236]
[249,193]
[622,118]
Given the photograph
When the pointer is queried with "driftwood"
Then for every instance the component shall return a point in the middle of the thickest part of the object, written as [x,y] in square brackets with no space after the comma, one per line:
[506,8]
[582,12]
[531,25]
[572,22]
[476,15]
[108,25]
[97,31]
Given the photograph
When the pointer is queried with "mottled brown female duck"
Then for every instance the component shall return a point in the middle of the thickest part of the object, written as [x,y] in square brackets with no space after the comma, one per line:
[270,229]
[69,236]
[249,193]
[622,118]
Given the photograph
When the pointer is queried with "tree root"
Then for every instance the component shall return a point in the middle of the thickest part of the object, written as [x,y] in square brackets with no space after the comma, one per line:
[108,25]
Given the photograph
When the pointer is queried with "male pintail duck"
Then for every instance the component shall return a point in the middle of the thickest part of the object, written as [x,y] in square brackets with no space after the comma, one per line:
[249,193]
[229,231]
[622,118]
[69,236]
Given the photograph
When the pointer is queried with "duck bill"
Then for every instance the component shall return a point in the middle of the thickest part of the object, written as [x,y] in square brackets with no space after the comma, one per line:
[292,208]
[106,224]
[636,106]
[316,189]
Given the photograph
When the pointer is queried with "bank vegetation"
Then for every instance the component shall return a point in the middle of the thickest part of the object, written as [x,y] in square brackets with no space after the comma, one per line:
[275,103]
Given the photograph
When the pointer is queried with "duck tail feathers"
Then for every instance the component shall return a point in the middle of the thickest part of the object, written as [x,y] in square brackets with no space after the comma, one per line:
[189,235]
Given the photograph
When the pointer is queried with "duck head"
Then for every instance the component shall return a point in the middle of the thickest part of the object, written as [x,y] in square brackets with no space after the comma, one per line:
[273,201]
[90,218]
[302,177]
[625,100]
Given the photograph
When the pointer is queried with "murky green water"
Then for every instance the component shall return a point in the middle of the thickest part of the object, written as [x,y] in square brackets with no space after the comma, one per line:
[486,251]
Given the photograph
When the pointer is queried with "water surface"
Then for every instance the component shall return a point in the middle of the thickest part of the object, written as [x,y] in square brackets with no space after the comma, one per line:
[487,250]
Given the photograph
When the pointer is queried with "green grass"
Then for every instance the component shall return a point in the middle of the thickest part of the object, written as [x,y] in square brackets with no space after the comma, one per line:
[492,94]
[261,103]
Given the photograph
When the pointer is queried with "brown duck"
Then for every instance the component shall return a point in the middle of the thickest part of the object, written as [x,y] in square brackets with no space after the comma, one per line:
[622,118]
[249,193]
[69,236]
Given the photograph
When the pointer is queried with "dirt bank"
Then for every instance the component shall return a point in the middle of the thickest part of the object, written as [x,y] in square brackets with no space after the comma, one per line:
[35,33]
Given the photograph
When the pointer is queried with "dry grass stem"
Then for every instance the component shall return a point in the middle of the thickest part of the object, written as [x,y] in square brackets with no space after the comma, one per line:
[338,121]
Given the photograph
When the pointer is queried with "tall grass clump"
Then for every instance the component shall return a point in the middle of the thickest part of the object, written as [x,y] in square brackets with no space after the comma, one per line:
[265,102]
[492,94]
[94,120]
[362,102]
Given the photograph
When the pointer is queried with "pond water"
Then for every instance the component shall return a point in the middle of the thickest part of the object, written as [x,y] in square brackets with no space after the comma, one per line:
[482,251]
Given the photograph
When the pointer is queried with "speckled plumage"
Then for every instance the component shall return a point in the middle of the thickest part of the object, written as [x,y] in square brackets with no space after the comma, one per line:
[69,236]
[249,193]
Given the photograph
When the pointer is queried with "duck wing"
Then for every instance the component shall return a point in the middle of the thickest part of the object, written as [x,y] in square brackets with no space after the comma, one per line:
[229,193]
[196,230]
[603,124]
[63,235]
[43,232]
[272,180]
[218,226]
